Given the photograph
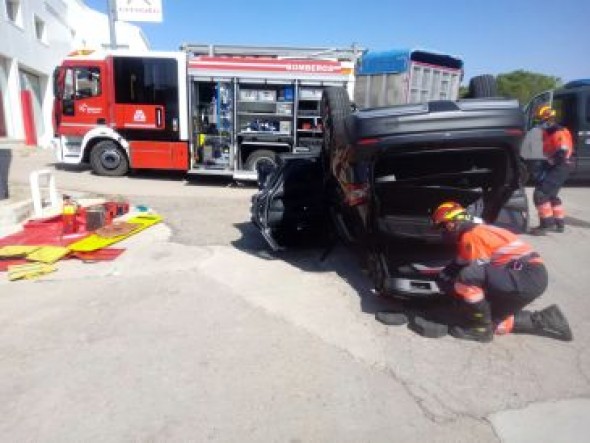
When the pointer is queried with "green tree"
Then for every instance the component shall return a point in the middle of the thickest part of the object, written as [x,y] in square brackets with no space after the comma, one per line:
[524,85]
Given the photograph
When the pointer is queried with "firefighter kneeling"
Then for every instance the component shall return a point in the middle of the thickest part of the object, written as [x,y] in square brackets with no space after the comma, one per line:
[494,276]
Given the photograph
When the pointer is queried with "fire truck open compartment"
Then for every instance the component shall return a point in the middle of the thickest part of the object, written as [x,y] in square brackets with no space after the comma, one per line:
[249,119]
[250,104]
[238,123]
[264,120]
[212,123]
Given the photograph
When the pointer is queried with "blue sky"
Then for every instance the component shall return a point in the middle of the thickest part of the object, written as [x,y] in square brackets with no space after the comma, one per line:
[491,36]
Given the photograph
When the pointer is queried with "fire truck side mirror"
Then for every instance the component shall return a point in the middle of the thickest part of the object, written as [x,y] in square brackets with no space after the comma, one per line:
[56,83]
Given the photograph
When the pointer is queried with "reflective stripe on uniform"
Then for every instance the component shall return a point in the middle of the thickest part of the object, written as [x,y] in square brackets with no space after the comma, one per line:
[512,251]
[485,243]
[560,139]
[545,210]
[469,293]
[506,326]
[558,211]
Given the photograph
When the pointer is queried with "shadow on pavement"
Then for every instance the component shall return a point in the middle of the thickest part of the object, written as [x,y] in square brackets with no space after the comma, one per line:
[577,183]
[307,257]
[218,181]
[344,262]
[577,222]
[167,175]
[70,168]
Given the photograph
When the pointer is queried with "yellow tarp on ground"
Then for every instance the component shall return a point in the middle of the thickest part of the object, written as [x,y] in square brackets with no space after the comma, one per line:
[29,271]
[16,251]
[48,254]
[95,242]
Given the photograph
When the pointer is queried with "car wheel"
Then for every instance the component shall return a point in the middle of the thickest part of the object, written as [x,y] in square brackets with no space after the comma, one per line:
[335,108]
[107,158]
[514,215]
[482,86]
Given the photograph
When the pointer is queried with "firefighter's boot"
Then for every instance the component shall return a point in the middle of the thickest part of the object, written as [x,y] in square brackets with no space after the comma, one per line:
[550,322]
[559,225]
[478,324]
[545,225]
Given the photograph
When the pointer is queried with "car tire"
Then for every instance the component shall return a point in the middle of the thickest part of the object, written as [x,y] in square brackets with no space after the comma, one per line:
[335,109]
[483,86]
[515,214]
[108,158]
[260,156]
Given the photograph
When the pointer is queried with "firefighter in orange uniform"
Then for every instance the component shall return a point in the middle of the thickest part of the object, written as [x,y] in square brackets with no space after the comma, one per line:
[557,149]
[494,276]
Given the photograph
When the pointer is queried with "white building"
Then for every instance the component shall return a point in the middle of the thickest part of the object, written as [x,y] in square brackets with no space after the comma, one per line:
[34,36]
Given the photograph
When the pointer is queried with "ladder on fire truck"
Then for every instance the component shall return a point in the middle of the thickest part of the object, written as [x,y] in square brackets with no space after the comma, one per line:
[352,53]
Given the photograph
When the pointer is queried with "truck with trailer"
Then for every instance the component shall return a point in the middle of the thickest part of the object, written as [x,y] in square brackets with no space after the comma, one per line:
[221,109]
[396,77]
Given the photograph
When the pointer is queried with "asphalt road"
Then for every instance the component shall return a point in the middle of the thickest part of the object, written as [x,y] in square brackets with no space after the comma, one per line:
[198,333]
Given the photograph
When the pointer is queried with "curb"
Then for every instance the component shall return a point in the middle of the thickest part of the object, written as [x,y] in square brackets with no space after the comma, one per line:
[13,214]
[16,212]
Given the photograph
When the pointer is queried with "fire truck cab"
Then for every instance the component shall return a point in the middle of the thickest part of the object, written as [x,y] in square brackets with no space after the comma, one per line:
[206,109]
[119,110]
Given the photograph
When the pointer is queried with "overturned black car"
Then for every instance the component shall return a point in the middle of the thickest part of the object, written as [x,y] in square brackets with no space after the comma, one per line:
[379,174]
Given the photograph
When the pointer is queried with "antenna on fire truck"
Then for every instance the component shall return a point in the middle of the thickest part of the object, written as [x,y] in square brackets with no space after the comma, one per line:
[351,53]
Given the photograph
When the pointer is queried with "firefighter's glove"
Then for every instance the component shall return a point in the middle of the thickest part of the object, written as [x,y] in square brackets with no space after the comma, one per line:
[559,157]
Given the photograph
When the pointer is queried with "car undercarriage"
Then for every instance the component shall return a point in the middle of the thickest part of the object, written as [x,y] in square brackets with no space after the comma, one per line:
[380,174]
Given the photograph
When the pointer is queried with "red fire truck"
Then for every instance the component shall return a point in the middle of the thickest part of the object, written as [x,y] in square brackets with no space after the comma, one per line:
[205,109]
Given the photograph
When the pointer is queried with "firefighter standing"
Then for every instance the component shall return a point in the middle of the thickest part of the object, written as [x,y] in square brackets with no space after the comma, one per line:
[494,276]
[557,149]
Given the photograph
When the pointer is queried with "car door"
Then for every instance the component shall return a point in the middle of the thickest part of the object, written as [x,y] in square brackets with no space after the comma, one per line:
[81,97]
[583,135]
[532,146]
[290,208]
[531,109]
[566,104]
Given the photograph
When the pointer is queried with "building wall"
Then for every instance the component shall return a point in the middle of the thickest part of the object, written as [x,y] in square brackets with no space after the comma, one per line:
[27,61]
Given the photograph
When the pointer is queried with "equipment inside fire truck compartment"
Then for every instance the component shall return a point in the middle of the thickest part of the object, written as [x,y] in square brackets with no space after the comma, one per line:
[259,120]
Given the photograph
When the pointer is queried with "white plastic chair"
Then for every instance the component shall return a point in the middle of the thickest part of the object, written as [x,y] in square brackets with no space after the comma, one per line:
[44,178]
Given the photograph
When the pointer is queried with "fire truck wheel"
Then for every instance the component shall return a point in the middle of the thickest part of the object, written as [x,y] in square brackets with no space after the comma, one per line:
[259,158]
[107,158]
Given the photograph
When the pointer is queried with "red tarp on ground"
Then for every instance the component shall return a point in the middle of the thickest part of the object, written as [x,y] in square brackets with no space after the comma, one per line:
[98,255]
[5,263]
[47,231]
